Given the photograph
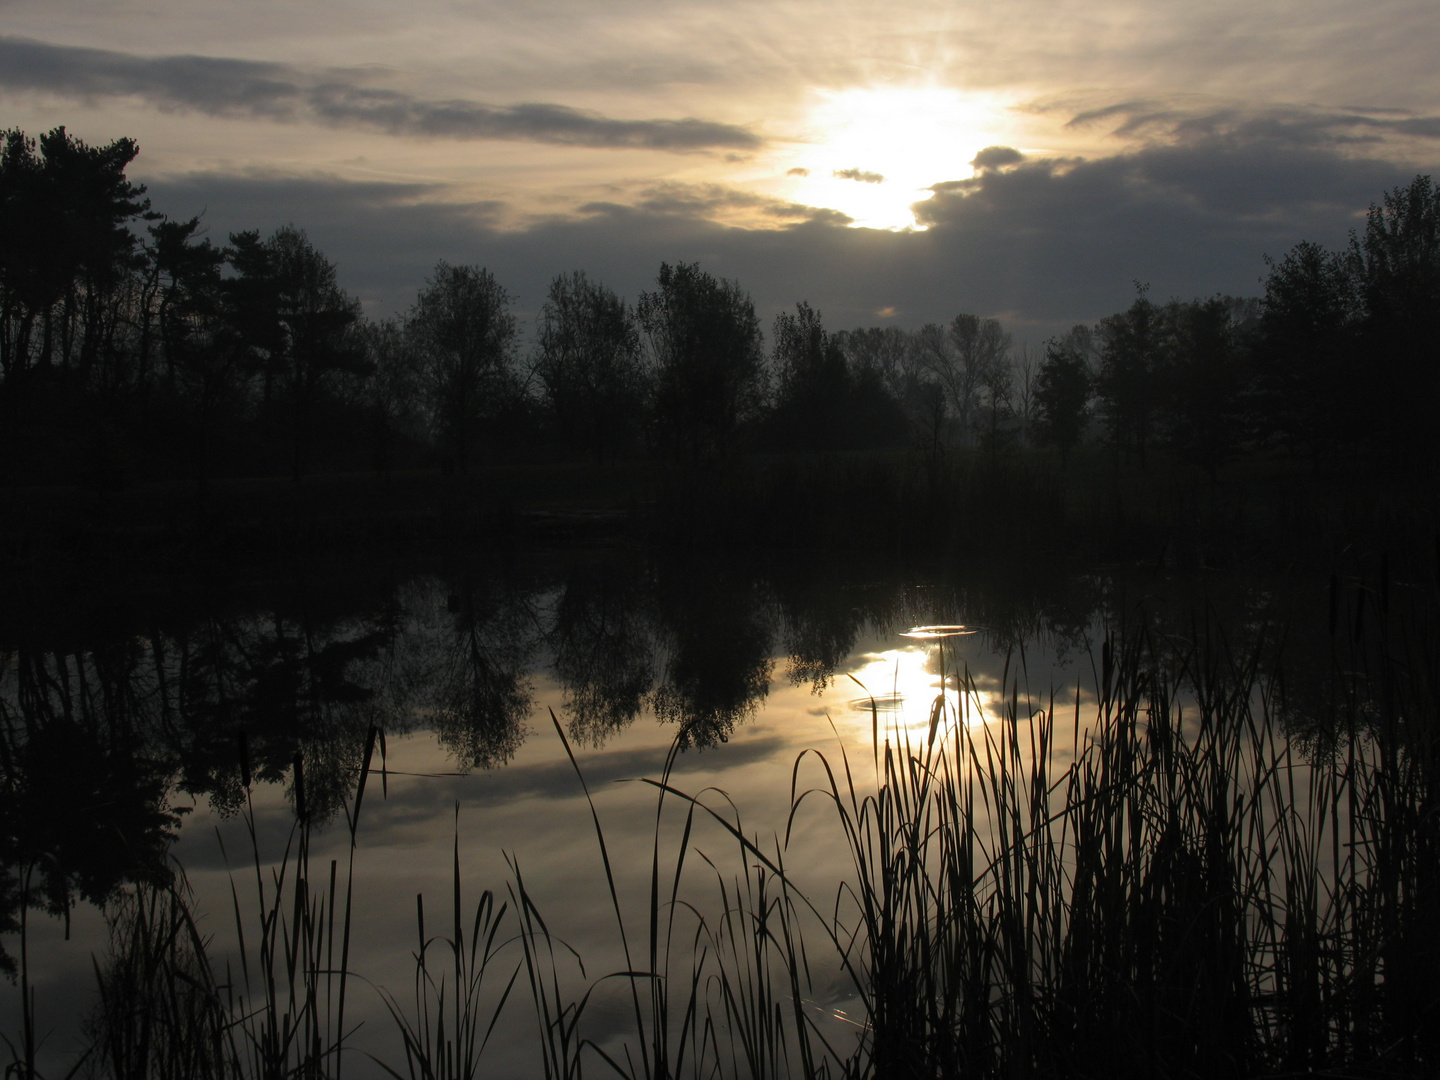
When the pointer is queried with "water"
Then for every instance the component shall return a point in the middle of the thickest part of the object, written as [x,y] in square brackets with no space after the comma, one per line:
[743,668]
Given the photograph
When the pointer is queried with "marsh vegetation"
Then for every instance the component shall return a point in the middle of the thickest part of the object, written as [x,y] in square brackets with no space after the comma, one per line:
[1195,857]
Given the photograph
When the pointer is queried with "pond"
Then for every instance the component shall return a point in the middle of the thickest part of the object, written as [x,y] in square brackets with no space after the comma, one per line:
[504,719]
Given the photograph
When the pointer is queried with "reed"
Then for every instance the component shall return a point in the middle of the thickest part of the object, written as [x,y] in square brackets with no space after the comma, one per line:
[160,1011]
[1151,881]
[433,1050]
[1164,886]
[288,1002]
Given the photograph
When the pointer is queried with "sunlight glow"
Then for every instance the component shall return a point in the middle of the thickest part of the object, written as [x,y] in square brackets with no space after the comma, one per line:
[904,684]
[874,152]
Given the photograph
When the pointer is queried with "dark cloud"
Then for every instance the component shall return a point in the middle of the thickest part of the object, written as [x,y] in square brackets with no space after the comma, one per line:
[224,87]
[1042,245]
[860,175]
[797,171]
[995,157]
[707,200]
[1179,121]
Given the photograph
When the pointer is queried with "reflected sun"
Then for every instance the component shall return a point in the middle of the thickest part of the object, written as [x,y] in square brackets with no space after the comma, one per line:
[872,153]
[904,683]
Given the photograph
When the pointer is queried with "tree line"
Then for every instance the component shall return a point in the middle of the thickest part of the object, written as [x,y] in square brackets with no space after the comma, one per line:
[133,344]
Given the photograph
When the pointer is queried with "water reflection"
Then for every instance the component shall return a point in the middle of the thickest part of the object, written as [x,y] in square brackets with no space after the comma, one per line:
[106,720]
[603,647]
[479,694]
[717,632]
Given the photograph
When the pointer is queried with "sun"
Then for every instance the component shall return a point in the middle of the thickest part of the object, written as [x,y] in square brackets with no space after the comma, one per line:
[872,153]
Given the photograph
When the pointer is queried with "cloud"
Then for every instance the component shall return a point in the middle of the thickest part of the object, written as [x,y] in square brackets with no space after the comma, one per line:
[797,171]
[245,88]
[1188,121]
[995,157]
[1046,243]
[716,200]
[860,175]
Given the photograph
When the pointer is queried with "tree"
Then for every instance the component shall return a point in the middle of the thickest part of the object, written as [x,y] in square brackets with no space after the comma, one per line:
[201,352]
[997,385]
[933,368]
[391,395]
[982,354]
[463,332]
[1025,371]
[66,249]
[316,343]
[705,345]
[1206,380]
[1395,263]
[814,381]
[1062,395]
[1129,378]
[589,365]
[1304,352]
[959,360]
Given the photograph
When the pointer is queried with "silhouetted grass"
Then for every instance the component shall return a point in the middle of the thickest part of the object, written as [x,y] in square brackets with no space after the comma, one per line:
[1152,881]
[433,1050]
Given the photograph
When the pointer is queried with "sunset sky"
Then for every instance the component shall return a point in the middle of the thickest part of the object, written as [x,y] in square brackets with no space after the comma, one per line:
[1028,160]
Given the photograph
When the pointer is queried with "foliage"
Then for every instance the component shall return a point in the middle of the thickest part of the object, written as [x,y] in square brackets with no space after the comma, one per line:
[133,347]
[707,365]
[1395,265]
[589,366]
[1062,396]
[824,399]
[463,332]
[1128,381]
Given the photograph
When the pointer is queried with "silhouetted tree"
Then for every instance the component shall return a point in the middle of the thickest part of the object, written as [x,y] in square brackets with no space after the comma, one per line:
[813,382]
[318,319]
[66,249]
[589,365]
[997,385]
[295,327]
[877,360]
[1207,379]
[1025,368]
[1304,349]
[705,345]
[68,268]
[1129,381]
[1062,396]
[1396,266]
[463,333]
[980,369]
[391,395]
[883,351]
[201,352]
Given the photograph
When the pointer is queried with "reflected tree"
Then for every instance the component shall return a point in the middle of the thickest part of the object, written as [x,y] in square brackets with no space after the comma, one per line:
[603,643]
[83,802]
[481,697]
[718,636]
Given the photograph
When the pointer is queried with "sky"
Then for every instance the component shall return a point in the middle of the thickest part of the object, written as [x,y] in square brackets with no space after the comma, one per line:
[1029,160]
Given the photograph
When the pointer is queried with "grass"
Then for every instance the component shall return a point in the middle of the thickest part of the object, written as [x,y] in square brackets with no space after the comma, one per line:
[1151,881]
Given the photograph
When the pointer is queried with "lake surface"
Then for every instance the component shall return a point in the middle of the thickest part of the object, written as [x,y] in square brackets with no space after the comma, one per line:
[125,711]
